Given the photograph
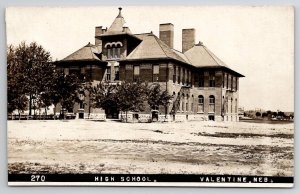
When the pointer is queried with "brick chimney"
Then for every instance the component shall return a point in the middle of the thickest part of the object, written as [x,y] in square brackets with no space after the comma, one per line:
[98,32]
[166,34]
[188,39]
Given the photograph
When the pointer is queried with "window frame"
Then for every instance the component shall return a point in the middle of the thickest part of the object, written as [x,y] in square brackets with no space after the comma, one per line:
[212,79]
[212,104]
[200,104]
[136,77]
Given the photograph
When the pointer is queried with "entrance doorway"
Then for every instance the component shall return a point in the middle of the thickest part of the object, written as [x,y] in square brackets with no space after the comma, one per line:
[211,117]
[154,115]
[112,112]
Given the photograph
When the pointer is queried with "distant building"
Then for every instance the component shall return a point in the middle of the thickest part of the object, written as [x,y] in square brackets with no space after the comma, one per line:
[203,87]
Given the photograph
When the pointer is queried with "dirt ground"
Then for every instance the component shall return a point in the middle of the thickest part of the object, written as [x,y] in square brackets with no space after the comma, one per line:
[79,146]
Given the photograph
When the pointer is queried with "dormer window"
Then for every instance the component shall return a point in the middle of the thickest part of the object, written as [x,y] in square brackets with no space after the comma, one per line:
[113,50]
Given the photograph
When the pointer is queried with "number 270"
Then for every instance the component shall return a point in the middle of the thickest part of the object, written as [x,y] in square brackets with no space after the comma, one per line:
[38,178]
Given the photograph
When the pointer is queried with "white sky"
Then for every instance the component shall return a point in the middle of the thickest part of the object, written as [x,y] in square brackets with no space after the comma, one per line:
[257,42]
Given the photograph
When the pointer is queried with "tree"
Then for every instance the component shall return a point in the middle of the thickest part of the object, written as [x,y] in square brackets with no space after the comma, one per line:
[258,114]
[156,97]
[16,99]
[65,90]
[103,95]
[264,114]
[131,96]
[281,114]
[30,71]
[274,114]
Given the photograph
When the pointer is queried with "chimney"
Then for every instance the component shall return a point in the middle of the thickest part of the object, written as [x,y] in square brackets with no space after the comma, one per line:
[126,29]
[166,34]
[98,32]
[188,39]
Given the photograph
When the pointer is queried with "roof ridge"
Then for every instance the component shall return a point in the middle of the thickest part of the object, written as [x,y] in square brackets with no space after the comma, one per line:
[182,60]
[156,38]
[73,52]
[93,54]
[211,55]
[217,58]
[183,55]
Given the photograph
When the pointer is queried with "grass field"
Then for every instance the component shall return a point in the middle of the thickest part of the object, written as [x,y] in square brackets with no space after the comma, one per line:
[79,146]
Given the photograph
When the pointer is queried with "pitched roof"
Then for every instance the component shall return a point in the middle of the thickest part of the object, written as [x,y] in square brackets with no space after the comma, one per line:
[87,53]
[200,56]
[117,27]
[152,47]
[181,55]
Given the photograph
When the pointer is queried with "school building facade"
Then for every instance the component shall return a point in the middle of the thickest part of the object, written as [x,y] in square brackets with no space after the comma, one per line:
[203,86]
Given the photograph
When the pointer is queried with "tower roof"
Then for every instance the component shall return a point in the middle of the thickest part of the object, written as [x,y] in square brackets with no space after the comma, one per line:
[117,27]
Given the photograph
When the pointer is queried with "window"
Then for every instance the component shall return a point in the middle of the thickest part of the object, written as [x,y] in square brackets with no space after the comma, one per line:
[108,74]
[74,70]
[155,73]
[109,52]
[174,74]
[227,82]
[66,71]
[190,78]
[231,105]
[187,103]
[114,51]
[223,80]
[236,106]
[200,104]
[201,79]
[178,76]
[183,76]
[136,73]
[182,104]
[117,74]
[212,79]
[211,103]
[118,52]
[192,104]
[236,83]
[231,86]
[187,77]
[81,105]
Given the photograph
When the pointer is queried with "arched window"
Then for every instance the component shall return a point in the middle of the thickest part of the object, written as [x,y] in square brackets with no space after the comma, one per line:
[113,50]
[200,104]
[108,51]
[211,103]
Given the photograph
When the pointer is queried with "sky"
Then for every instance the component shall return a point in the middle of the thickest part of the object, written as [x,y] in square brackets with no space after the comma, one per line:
[256,41]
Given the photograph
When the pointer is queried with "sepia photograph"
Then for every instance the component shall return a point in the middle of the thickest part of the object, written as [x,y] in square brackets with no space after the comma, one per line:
[150,96]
